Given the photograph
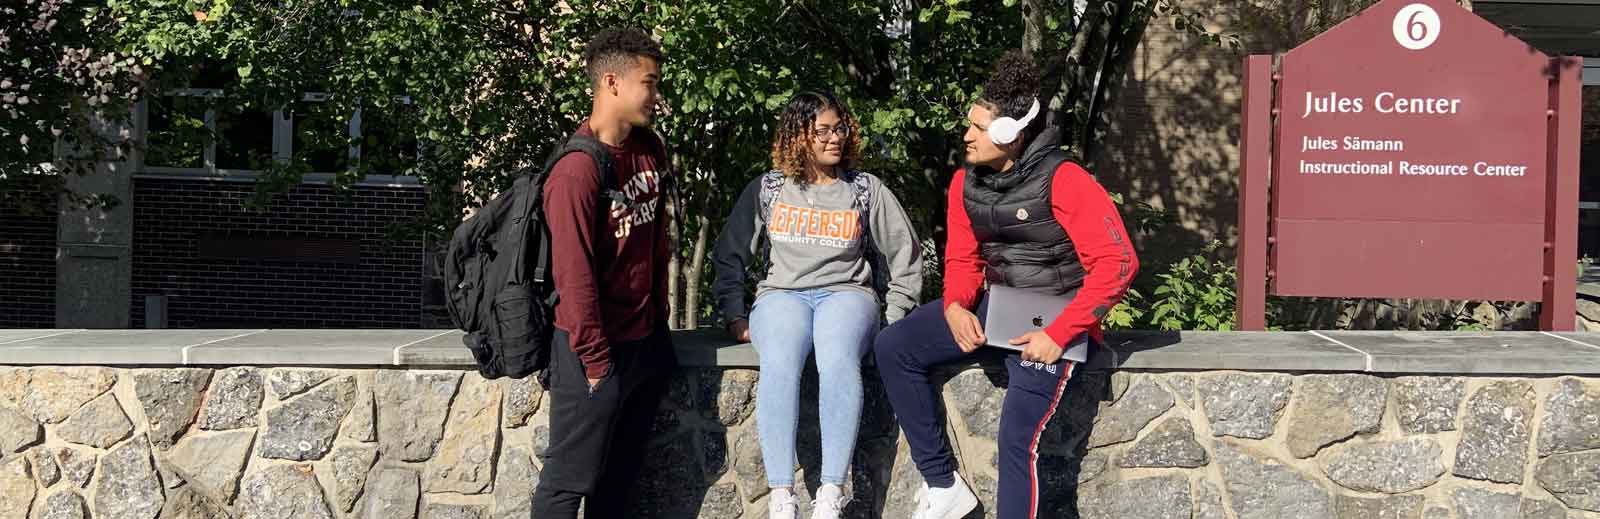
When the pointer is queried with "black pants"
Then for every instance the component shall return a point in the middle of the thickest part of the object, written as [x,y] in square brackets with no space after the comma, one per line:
[910,348]
[598,438]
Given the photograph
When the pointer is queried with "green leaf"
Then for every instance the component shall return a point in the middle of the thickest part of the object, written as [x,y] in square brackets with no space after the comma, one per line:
[245,70]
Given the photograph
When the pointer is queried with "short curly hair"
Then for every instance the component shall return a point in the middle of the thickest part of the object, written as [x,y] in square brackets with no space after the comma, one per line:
[791,144]
[1013,86]
[615,49]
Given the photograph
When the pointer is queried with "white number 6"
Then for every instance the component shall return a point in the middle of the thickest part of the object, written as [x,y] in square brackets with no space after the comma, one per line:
[1416,26]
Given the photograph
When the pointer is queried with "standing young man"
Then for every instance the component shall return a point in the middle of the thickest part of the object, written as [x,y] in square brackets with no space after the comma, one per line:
[611,356]
[1022,216]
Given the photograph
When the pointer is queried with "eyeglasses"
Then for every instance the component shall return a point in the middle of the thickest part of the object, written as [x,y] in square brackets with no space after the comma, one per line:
[821,134]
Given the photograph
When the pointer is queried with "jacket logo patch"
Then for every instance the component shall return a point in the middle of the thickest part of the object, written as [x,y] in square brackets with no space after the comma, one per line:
[1022,214]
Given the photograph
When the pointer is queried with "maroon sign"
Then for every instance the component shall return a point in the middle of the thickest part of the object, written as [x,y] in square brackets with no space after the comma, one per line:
[1414,151]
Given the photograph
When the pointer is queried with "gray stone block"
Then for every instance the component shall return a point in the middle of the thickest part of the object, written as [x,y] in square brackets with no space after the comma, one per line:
[100,424]
[749,468]
[1536,509]
[1170,444]
[186,503]
[1266,488]
[127,486]
[721,502]
[44,466]
[1390,467]
[171,400]
[1208,501]
[1495,433]
[351,465]
[515,481]
[977,395]
[522,398]
[1473,503]
[728,398]
[77,465]
[303,429]
[671,484]
[362,423]
[282,491]
[1572,418]
[464,460]
[1573,478]
[1162,497]
[1122,420]
[212,464]
[1392,507]
[17,489]
[412,407]
[392,493]
[18,431]
[443,511]
[51,394]
[233,401]
[1244,405]
[288,382]
[64,504]
[1427,405]
[1331,408]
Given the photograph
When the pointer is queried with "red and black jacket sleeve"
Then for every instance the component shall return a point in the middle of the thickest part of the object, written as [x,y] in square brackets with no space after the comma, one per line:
[1085,211]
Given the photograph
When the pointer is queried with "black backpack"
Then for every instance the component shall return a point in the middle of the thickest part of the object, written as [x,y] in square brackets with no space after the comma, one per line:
[507,309]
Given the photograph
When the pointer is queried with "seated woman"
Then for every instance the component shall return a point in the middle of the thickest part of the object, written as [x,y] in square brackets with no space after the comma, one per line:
[832,242]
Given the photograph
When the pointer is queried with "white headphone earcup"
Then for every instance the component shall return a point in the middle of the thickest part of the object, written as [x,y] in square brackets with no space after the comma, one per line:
[1003,130]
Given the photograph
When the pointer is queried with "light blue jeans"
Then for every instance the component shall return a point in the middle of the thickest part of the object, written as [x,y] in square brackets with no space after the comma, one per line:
[784,325]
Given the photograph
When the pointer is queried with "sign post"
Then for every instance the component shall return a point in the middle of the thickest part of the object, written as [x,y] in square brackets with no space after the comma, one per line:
[1413,151]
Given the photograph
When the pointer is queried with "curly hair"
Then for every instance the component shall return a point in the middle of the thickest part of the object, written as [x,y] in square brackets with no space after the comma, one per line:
[615,49]
[1012,87]
[791,144]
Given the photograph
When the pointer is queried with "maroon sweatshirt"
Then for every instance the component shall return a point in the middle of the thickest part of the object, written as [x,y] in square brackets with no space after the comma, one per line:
[610,268]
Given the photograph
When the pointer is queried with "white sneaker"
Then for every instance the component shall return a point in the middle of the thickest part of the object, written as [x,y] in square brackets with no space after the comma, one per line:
[829,503]
[946,503]
[781,504]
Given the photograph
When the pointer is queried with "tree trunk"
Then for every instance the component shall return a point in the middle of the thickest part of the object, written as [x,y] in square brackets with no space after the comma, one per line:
[1032,27]
[1119,54]
[696,263]
[1071,73]
[674,285]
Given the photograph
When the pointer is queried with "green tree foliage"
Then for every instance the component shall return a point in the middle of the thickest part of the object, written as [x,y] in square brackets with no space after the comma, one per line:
[473,90]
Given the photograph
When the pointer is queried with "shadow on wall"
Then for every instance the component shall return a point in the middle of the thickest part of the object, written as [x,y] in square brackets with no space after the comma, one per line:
[1171,141]
[707,423]
[1174,128]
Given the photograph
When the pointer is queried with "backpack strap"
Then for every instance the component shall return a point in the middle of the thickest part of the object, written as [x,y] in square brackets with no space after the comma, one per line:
[609,190]
[862,188]
[771,185]
[861,185]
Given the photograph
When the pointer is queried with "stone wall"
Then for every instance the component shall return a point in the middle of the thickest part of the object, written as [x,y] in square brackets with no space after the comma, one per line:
[247,442]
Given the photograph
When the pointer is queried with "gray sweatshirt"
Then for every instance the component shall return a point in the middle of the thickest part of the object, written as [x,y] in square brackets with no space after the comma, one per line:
[813,239]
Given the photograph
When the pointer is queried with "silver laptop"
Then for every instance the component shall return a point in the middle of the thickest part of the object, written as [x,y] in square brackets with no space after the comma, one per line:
[1014,311]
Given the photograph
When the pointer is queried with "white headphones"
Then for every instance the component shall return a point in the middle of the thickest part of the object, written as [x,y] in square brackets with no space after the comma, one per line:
[1003,130]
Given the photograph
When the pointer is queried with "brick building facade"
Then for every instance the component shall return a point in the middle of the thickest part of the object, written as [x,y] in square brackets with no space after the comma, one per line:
[314,259]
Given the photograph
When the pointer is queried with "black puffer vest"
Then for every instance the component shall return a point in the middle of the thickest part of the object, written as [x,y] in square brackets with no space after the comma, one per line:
[1018,235]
